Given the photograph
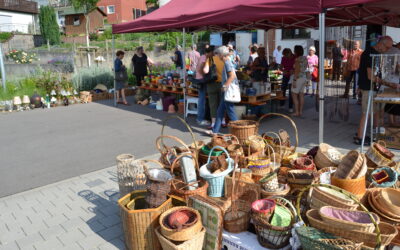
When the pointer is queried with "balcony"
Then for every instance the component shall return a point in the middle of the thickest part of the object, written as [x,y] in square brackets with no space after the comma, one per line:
[19,6]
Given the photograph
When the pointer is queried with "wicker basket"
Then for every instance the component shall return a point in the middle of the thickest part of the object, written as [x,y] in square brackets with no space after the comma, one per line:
[391,180]
[282,192]
[376,156]
[275,237]
[355,186]
[386,231]
[139,225]
[130,173]
[216,181]
[185,233]
[169,154]
[242,129]
[303,177]
[313,239]
[332,200]
[195,242]
[237,218]
[353,165]
[280,149]
[246,191]
[342,232]
[255,144]
[347,224]
[322,160]
[179,188]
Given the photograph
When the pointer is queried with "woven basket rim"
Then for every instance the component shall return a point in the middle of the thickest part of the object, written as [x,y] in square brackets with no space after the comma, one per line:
[243,124]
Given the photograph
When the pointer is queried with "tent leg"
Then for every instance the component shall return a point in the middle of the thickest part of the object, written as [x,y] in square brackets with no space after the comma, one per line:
[113,57]
[321,75]
[267,46]
[184,72]
[2,70]
[369,108]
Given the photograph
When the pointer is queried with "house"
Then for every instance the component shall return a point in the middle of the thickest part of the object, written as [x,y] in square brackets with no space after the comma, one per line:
[18,16]
[120,11]
[73,21]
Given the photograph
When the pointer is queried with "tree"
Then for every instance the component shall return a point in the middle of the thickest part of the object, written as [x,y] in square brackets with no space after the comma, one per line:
[48,25]
[87,6]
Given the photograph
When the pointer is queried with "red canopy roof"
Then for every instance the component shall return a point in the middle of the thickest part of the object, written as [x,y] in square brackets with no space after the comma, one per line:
[262,14]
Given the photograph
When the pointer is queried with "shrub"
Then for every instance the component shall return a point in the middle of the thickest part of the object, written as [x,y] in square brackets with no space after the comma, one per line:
[4,36]
[21,57]
[93,36]
[88,78]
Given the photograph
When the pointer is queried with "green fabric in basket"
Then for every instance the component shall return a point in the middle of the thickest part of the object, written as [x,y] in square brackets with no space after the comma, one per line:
[282,217]
[207,150]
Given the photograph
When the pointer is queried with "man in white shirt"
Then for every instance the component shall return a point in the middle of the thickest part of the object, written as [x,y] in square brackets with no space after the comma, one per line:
[278,55]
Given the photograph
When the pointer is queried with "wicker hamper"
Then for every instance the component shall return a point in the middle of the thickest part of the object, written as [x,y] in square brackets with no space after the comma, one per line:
[242,129]
[139,225]
[130,173]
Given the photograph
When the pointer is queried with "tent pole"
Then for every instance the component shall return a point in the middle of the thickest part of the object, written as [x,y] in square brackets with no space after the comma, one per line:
[2,70]
[184,72]
[113,59]
[321,75]
[267,47]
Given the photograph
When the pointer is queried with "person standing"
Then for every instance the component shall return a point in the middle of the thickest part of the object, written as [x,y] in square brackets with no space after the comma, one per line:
[337,57]
[259,69]
[277,55]
[364,83]
[234,56]
[178,57]
[228,76]
[121,80]
[312,59]
[194,58]
[214,88]
[287,66]
[201,104]
[140,63]
[253,55]
[353,63]
[300,78]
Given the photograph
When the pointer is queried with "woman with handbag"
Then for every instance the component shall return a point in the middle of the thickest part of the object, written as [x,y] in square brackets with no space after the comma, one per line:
[121,77]
[312,59]
[230,92]
[140,63]
[300,78]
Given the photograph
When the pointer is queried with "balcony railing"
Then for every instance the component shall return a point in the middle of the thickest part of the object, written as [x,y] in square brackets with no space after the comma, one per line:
[19,6]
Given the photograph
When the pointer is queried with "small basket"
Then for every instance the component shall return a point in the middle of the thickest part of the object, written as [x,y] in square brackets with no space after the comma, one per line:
[255,143]
[216,181]
[263,208]
[322,160]
[389,182]
[355,186]
[243,129]
[195,242]
[270,182]
[353,165]
[275,237]
[185,233]
[169,154]
[283,190]
[304,163]
[376,157]
[302,177]
[313,239]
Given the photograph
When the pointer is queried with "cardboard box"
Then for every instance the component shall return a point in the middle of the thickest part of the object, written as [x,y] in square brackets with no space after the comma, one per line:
[391,137]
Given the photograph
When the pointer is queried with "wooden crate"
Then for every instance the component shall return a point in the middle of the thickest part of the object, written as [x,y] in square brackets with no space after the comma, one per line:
[257,98]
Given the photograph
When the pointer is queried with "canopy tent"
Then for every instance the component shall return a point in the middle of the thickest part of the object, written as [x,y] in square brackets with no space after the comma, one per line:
[221,15]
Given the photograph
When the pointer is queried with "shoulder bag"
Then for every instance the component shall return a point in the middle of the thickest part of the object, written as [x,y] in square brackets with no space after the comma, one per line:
[211,76]
[121,75]
[232,94]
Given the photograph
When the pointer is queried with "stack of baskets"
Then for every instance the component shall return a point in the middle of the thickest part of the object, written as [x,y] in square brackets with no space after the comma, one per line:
[181,229]
[378,155]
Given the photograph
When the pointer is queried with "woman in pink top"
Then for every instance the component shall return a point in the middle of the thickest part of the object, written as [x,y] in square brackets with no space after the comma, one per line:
[312,59]
[287,65]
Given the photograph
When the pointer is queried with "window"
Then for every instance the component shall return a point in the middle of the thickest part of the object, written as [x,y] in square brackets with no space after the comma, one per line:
[77,21]
[138,13]
[110,9]
[296,34]
[102,8]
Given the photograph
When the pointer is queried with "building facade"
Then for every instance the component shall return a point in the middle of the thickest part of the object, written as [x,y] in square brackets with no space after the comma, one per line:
[18,16]
[120,11]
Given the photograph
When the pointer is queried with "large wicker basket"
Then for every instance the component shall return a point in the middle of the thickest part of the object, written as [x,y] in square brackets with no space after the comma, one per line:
[355,186]
[139,225]
[130,173]
[243,129]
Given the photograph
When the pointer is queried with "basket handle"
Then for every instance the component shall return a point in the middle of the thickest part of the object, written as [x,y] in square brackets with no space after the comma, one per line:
[160,144]
[273,152]
[289,119]
[286,202]
[382,143]
[196,162]
[348,194]
[179,181]
[184,122]
[281,154]
[212,150]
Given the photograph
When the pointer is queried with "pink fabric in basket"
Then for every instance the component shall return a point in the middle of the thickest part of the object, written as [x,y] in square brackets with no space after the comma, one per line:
[263,206]
[352,216]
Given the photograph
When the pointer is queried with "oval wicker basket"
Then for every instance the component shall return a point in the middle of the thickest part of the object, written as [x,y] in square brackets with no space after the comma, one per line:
[243,129]
[186,233]
[353,165]
[391,199]
[195,243]
[333,199]
[338,217]
[282,191]
[322,160]
[303,177]
[376,157]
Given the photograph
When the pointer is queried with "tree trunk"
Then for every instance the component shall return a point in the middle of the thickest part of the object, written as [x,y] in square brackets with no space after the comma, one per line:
[87,39]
